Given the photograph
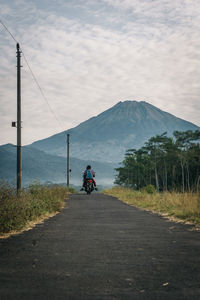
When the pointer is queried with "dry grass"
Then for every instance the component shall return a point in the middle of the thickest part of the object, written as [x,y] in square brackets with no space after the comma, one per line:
[185,206]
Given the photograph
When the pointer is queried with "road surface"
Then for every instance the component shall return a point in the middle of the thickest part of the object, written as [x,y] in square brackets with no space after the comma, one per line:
[101,248]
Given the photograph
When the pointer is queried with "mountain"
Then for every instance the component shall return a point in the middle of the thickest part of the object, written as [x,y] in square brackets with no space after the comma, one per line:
[100,141]
[38,165]
[107,136]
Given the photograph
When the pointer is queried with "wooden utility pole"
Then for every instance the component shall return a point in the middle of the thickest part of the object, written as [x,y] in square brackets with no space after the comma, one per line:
[68,170]
[19,153]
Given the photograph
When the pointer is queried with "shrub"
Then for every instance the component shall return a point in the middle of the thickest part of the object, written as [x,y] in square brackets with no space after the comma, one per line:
[32,203]
[150,189]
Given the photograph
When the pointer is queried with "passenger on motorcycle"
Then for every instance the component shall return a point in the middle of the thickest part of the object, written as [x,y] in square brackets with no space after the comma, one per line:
[88,174]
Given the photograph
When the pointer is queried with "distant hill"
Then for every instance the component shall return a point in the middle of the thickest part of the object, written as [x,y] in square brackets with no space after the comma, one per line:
[107,136]
[44,167]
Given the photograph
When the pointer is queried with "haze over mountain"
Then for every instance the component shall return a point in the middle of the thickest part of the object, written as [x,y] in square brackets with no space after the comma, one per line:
[107,136]
[38,165]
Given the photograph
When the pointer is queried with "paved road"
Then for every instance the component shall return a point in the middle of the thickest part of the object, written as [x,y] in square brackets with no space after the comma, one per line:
[100,248]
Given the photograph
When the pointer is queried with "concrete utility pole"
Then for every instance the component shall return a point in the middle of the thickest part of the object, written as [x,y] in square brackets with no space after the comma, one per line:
[19,152]
[68,170]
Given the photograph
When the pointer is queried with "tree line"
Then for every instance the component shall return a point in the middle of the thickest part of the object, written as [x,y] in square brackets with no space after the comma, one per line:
[168,163]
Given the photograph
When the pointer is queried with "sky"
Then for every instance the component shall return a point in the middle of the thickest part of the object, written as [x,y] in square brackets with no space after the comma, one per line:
[87,55]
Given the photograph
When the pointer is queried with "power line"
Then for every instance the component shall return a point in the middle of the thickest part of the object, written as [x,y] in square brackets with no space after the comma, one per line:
[6,28]
[34,77]
[41,91]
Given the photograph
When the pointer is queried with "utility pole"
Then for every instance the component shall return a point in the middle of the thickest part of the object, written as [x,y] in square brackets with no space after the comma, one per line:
[68,170]
[19,146]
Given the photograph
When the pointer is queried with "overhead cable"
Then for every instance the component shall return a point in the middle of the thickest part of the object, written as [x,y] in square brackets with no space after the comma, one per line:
[6,28]
[33,76]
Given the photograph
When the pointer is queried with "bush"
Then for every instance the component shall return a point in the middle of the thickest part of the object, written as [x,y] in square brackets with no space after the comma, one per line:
[150,189]
[36,201]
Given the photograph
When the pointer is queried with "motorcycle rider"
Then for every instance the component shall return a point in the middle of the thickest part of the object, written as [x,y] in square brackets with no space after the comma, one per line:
[88,174]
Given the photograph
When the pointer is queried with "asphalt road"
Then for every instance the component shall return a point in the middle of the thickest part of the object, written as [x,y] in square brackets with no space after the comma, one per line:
[101,248]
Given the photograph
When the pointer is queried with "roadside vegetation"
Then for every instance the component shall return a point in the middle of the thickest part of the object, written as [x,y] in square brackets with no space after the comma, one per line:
[163,176]
[184,206]
[34,203]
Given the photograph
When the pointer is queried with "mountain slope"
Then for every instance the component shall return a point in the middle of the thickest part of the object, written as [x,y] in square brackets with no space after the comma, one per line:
[107,136]
[39,165]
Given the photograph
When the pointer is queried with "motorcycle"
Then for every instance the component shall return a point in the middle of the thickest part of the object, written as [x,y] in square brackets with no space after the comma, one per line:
[89,186]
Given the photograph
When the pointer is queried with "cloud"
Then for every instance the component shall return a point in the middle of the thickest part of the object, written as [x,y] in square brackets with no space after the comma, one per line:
[85,67]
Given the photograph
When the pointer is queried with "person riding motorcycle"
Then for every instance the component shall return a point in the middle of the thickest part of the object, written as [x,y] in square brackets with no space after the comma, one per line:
[88,174]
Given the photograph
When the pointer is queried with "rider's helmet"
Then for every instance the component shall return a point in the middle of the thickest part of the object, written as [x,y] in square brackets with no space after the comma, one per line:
[88,167]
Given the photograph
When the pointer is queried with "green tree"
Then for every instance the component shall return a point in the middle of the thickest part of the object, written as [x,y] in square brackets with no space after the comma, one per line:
[167,163]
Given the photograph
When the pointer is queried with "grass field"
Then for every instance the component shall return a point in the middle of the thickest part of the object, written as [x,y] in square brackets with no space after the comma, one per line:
[33,204]
[184,206]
